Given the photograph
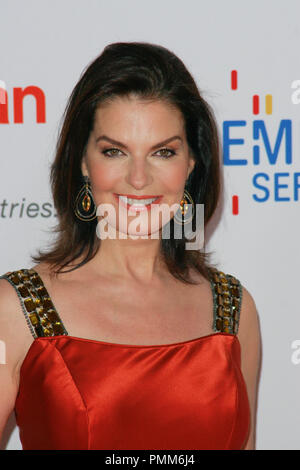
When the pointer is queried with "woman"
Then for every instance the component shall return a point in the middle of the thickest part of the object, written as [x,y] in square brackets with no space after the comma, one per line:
[133,341]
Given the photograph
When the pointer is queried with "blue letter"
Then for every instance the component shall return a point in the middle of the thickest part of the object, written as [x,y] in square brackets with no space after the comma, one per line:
[296,186]
[259,126]
[264,175]
[277,185]
[227,142]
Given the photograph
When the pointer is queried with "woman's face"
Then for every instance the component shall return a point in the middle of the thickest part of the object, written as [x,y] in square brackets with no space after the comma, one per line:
[127,154]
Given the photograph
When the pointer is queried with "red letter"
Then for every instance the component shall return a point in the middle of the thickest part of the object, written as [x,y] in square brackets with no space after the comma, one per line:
[3,106]
[39,95]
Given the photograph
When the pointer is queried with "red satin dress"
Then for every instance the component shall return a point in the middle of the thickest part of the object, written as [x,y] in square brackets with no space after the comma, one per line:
[77,393]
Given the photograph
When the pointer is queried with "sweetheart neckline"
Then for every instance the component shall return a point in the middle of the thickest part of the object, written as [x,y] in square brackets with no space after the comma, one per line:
[126,345]
[123,345]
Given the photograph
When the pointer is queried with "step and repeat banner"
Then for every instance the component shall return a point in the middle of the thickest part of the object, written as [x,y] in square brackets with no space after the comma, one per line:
[244,56]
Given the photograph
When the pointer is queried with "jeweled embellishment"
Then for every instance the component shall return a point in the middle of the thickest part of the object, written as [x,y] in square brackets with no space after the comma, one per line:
[227,292]
[40,313]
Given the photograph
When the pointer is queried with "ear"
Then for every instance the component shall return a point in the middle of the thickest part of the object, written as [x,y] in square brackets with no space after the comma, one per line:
[191,165]
[84,169]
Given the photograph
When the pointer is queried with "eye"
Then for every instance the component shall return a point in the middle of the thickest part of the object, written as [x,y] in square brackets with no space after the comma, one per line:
[167,150]
[113,152]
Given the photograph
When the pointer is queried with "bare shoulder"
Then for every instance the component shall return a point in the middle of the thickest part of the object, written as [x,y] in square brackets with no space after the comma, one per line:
[9,306]
[13,327]
[249,326]
[251,356]
[249,335]
[15,340]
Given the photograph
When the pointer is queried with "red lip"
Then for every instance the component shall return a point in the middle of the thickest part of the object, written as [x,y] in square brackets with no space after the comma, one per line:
[132,196]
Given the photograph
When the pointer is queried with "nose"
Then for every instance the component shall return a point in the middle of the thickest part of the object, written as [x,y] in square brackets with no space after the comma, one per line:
[138,173]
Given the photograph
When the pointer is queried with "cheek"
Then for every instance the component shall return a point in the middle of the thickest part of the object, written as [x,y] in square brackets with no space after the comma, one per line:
[103,178]
[174,179]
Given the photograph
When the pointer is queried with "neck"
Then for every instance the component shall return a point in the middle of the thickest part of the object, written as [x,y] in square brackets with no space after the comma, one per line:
[133,260]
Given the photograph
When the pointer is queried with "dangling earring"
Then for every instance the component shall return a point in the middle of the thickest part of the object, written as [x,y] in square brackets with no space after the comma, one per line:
[186,199]
[85,207]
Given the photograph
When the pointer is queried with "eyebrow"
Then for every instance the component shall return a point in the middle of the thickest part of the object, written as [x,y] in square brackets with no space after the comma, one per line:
[115,142]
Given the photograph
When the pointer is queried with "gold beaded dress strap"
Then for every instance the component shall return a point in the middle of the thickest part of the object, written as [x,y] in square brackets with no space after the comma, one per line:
[227,294]
[40,313]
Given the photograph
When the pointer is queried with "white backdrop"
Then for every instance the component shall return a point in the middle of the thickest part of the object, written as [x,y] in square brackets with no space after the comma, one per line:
[46,44]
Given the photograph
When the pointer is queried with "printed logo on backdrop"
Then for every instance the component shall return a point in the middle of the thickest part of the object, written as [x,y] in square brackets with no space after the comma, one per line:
[18,96]
[268,185]
[24,208]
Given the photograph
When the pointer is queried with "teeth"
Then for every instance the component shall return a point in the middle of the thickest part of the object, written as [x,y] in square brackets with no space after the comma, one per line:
[141,202]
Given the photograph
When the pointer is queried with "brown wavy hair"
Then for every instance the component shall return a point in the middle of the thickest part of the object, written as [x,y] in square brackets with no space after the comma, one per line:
[150,72]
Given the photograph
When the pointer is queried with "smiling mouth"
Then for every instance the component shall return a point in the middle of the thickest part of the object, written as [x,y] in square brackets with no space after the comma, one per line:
[138,202]
[143,201]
